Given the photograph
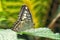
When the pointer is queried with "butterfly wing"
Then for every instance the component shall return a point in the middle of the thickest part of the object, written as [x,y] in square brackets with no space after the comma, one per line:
[24,21]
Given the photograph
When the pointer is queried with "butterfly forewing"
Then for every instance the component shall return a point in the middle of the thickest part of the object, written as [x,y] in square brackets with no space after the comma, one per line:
[24,21]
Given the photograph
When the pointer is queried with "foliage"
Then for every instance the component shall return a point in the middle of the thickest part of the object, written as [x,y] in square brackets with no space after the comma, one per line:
[7,34]
[38,8]
[1,6]
[41,32]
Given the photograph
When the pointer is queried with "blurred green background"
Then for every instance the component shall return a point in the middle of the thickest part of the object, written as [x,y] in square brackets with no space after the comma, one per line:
[9,11]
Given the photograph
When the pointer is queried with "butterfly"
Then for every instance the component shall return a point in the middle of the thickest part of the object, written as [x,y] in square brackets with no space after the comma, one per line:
[24,20]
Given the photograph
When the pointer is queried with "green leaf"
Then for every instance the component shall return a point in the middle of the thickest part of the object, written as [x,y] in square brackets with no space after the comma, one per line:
[11,35]
[2,18]
[41,32]
[21,39]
